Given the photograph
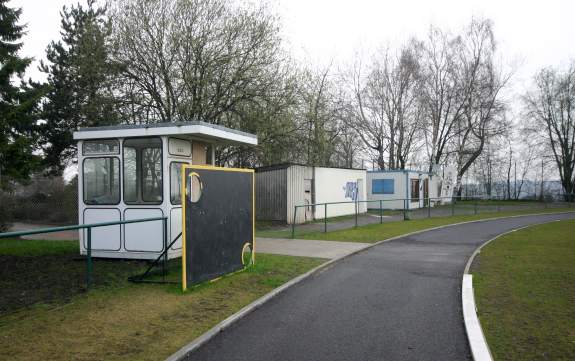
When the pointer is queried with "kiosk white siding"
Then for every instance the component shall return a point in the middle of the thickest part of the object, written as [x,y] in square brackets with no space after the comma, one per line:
[138,240]
[103,238]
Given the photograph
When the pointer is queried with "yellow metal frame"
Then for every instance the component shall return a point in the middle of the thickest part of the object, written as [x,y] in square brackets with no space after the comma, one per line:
[183,195]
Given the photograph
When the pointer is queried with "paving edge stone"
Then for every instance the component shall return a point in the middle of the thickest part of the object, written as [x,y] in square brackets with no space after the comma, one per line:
[214,331]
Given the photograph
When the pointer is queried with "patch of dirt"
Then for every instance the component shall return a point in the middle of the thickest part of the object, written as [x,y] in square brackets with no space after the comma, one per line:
[55,279]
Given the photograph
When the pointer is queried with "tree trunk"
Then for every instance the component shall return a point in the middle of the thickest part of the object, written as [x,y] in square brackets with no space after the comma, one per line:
[458,186]
[568,186]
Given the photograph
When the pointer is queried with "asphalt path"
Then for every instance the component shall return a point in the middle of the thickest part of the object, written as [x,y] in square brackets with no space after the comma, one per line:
[400,300]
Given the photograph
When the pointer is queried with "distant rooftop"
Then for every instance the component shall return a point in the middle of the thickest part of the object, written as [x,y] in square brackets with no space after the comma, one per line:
[397,171]
[195,129]
[287,165]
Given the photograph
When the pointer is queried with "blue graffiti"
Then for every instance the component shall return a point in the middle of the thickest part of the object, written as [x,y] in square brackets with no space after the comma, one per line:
[351,190]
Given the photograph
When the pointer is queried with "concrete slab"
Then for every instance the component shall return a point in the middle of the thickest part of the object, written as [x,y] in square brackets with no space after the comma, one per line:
[307,248]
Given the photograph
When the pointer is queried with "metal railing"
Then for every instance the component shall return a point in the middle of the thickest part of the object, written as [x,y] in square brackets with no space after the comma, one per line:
[88,228]
[405,206]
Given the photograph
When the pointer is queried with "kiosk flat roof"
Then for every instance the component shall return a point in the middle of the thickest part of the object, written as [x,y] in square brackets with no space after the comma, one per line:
[196,129]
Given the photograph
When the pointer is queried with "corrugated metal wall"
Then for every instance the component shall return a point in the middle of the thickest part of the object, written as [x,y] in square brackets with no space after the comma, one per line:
[271,195]
[296,193]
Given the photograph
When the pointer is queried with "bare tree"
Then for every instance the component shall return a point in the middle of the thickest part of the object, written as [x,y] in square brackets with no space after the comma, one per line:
[442,94]
[385,105]
[509,166]
[348,146]
[550,109]
[525,165]
[483,114]
[317,112]
[194,59]
[210,60]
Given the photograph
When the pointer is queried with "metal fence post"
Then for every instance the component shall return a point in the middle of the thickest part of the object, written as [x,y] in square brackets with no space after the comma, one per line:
[404,209]
[325,218]
[293,222]
[165,262]
[356,211]
[380,211]
[428,207]
[452,206]
[89,259]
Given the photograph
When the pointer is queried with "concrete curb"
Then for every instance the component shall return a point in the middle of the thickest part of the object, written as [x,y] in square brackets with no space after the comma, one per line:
[208,335]
[477,343]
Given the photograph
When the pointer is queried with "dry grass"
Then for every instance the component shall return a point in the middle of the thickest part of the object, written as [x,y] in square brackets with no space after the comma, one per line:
[138,322]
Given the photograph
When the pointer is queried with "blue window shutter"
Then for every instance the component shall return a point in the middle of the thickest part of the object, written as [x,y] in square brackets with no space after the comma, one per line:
[382,186]
[388,186]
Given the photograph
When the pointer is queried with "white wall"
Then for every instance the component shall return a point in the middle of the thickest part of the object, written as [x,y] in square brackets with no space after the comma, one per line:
[448,182]
[338,185]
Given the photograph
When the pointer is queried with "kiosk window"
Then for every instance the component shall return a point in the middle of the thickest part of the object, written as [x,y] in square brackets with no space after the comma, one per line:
[101,180]
[103,146]
[176,182]
[143,170]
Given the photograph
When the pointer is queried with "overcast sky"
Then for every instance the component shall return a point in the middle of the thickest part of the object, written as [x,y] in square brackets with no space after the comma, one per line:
[537,33]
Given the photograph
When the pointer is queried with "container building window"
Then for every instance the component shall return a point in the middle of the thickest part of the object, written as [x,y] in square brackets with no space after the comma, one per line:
[101,180]
[414,190]
[143,181]
[383,186]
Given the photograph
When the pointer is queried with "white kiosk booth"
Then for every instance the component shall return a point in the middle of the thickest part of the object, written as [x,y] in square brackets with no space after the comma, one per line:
[130,172]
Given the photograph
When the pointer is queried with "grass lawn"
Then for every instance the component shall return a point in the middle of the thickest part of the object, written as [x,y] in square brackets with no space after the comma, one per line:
[16,247]
[377,232]
[525,293]
[504,202]
[465,210]
[117,320]
[386,212]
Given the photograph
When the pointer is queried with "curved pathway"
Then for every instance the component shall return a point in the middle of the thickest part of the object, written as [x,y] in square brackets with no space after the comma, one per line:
[399,300]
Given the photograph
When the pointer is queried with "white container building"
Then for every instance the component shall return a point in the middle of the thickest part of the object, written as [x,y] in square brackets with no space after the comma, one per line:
[393,187]
[280,188]
[131,172]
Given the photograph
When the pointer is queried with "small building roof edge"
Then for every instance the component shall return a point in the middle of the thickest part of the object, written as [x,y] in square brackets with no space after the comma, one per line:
[160,129]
